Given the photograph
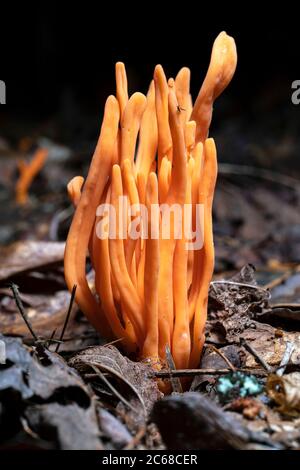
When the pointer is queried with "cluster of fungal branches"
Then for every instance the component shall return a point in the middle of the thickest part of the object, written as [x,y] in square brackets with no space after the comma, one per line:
[150,292]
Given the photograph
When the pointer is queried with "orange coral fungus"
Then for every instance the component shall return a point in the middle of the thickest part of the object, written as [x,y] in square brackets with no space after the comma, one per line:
[28,172]
[144,214]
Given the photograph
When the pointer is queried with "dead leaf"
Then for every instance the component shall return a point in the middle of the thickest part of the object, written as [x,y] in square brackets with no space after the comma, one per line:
[56,403]
[285,299]
[42,378]
[236,301]
[69,426]
[285,391]
[248,227]
[131,380]
[240,289]
[271,347]
[235,307]
[28,255]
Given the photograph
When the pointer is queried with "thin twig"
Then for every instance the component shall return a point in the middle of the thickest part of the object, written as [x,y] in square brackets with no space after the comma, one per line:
[289,348]
[239,284]
[52,335]
[67,318]
[121,377]
[222,355]
[114,341]
[111,387]
[278,280]
[262,173]
[164,374]
[255,354]
[15,290]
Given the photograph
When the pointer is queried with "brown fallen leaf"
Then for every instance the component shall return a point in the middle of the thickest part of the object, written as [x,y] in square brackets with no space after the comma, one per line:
[285,391]
[237,311]
[236,301]
[285,299]
[271,347]
[28,255]
[247,224]
[131,381]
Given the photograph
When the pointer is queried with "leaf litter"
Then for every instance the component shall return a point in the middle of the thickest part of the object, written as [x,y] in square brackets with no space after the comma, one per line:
[118,399]
[50,400]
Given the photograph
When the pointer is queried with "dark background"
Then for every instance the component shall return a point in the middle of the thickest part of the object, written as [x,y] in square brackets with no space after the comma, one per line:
[57,60]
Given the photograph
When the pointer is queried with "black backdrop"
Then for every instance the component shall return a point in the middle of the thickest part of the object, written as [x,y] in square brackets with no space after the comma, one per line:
[48,46]
[60,56]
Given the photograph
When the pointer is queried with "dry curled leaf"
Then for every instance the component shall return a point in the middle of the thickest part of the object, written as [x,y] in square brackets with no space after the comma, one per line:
[234,304]
[285,391]
[239,295]
[28,255]
[132,381]
[237,310]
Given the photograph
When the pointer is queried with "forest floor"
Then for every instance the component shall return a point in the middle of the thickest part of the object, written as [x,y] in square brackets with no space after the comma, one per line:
[74,391]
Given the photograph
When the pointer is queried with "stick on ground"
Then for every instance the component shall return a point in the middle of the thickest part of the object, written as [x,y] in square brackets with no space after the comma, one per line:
[256,356]
[67,318]
[289,348]
[15,290]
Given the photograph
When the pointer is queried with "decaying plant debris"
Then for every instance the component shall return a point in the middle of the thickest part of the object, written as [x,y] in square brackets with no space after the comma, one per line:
[44,395]
[97,398]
